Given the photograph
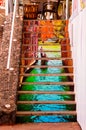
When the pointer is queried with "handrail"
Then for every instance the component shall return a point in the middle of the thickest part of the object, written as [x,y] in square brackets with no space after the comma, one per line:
[11,37]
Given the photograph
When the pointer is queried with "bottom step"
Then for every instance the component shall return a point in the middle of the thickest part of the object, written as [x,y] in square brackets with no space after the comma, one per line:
[43,126]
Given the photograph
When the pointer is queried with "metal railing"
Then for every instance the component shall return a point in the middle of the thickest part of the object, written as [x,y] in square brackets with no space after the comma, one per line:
[11,37]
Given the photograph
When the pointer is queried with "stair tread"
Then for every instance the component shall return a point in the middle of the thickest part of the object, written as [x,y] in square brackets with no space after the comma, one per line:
[64,44]
[47,51]
[47,92]
[45,44]
[48,83]
[26,113]
[66,38]
[38,32]
[44,66]
[46,102]
[46,58]
[58,74]
[60,25]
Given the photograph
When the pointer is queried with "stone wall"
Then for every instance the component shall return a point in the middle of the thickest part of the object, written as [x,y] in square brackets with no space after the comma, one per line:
[1,34]
[9,78]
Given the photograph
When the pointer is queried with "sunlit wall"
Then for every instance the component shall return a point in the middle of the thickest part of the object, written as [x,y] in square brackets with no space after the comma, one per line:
[77,31]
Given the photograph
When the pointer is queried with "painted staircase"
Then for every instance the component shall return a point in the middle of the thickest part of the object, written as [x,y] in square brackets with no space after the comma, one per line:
[31,59]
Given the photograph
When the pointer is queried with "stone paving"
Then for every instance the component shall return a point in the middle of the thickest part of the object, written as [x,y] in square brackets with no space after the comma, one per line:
[43,126]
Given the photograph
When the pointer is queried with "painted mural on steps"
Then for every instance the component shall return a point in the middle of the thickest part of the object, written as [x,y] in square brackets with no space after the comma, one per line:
[41,32]
[44,38]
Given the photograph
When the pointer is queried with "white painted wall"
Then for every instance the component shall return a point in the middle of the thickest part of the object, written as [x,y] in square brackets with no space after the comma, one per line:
[78,47]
